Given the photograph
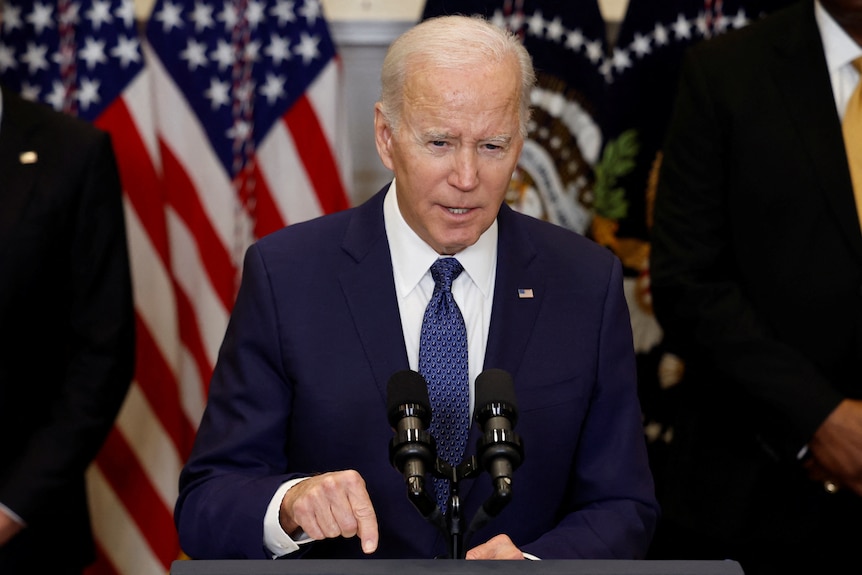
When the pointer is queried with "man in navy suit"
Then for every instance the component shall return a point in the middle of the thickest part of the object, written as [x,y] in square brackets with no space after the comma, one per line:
[291,457]
[66,329]
[756,278]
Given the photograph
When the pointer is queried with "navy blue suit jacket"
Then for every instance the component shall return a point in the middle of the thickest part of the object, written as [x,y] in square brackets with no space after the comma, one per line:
[300,387]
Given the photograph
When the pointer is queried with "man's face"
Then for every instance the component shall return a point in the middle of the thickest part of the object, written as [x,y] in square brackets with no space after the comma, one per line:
[455,150]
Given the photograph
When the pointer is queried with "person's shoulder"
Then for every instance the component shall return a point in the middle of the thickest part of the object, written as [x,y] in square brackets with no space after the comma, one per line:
[32,115]
[758,32]
[561,243]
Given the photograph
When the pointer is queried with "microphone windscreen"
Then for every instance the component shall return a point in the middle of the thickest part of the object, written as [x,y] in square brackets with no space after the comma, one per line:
[405,387]
[495,386]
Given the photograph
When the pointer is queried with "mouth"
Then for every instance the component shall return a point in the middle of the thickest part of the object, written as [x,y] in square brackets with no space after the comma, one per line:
[458,211]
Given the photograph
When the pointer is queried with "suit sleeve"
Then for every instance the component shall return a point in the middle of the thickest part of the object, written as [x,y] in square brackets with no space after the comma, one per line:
[699,293]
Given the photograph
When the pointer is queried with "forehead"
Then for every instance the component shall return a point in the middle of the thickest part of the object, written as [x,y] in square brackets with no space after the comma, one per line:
[479,92]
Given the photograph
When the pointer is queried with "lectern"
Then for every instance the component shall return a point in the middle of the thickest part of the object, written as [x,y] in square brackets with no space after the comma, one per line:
[449,567]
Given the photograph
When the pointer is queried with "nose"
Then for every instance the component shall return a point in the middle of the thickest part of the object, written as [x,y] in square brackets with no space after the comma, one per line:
[465,169]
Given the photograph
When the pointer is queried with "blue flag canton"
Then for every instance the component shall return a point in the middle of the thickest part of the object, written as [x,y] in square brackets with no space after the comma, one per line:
[74,56]
[253,55]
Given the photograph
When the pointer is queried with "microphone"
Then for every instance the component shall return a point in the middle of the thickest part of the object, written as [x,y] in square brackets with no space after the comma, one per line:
[412,449]
[499,451]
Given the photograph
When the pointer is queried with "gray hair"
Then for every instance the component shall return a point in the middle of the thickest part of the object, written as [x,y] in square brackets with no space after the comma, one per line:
[452,42]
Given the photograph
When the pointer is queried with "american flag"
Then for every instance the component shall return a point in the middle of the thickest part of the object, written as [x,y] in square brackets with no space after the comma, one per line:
[227,123]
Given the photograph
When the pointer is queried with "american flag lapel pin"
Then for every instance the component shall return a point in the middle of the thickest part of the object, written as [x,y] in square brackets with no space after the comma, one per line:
[525,293]
[28,157]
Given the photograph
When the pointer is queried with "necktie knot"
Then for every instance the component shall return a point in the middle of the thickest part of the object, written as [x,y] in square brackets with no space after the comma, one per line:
[857,63]
[444,271]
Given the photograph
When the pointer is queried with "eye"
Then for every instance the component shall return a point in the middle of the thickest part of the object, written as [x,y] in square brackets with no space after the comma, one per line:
[437,143]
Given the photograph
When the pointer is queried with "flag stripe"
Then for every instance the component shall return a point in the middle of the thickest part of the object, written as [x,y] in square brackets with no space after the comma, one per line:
[315,153]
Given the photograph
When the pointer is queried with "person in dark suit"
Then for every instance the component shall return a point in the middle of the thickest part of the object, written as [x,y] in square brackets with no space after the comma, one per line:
[293,444]
[756,278]
[66,329]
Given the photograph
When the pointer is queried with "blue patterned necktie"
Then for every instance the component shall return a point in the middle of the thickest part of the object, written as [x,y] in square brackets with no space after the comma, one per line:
[443,364]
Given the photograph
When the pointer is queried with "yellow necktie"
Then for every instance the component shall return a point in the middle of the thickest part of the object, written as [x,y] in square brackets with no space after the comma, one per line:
[852,127]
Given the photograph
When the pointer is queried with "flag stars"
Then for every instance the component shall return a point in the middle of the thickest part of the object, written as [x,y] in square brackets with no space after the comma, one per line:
[228,16]
[702,25]
[740,20]
[93,53]
[41,18]
[100,14]
[127,51]
[202,16]
[556,30]
[310,11]
[283,10]
[57,96]
[640,45]
[594,51]
[88,93]
[35,57]
[218,93]
[194,54]
[11,17]
[30,91]
[498,20]
[660,33]
[278,49]
[170,17]
[681,28]
[536,24]
[307,47]
[252,51]
[241,130]
[126,13]
[7,58]
[273,88]
[255,14]
[574,40]
[223,55]
[621,60]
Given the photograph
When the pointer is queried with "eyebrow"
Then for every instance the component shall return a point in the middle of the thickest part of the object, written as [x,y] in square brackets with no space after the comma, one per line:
[498,139]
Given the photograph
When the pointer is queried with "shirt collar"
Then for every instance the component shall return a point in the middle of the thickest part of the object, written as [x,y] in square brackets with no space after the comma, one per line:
[411,256]
[838,46]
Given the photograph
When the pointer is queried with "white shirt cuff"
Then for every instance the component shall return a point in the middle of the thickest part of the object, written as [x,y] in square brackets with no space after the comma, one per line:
[275,539]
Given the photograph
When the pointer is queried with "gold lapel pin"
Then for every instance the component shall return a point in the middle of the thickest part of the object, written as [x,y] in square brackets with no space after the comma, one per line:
[28,157]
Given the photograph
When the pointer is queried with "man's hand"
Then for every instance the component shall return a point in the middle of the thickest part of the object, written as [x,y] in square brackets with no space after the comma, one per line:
[8,528]
[499,547]
[331,505]
[836,447]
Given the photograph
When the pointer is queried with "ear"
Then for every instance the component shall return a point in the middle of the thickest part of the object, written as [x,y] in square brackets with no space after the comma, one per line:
[383,137]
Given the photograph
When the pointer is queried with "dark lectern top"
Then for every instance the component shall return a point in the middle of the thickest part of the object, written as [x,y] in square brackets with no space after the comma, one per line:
[450,567]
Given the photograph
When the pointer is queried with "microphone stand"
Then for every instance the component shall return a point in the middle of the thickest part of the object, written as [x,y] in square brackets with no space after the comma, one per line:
[451,523]
[454,528]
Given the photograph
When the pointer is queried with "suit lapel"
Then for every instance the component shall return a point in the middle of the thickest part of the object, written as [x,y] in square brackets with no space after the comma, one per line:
[370,291]
[811,109]
[513,315]
[18,178]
